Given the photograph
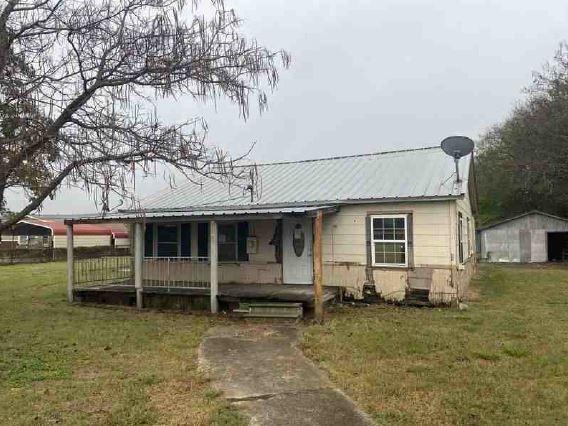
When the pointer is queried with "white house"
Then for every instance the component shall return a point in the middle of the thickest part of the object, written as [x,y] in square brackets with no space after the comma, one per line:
[391,222]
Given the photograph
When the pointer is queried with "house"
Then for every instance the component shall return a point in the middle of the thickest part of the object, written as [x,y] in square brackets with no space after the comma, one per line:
[389,223]
[47,232]
[530,237]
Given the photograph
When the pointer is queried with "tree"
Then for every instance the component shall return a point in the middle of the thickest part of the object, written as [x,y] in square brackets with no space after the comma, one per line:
[522,164]
[78,80]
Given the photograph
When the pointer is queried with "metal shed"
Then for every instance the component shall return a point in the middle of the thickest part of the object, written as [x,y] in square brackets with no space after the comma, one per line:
[531,237]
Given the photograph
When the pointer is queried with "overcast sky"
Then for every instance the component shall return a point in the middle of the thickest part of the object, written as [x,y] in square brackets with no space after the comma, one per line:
[374,75]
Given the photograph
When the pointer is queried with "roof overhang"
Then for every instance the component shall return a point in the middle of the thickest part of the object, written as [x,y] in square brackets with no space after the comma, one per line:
[202,215]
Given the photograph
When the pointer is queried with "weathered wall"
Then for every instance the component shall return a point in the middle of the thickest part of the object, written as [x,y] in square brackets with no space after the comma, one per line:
[520,240]
[433,251]
[262,266]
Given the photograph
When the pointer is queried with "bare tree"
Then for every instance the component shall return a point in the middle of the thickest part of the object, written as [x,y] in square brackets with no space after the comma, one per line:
[76,80]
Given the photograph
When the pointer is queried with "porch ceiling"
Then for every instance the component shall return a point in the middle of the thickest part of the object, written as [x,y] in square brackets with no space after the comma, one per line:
[218,214]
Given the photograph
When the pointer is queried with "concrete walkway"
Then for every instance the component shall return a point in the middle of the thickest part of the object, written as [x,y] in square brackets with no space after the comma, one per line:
[259,369]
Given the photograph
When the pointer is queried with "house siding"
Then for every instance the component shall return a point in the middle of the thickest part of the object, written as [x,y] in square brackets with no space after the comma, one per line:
[434,251]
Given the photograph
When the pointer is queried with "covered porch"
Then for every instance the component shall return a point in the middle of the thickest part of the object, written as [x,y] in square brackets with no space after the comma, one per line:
[201,260]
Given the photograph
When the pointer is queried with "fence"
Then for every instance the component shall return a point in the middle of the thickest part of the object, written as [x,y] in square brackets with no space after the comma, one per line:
[176,272]
[12,254]
[102,271]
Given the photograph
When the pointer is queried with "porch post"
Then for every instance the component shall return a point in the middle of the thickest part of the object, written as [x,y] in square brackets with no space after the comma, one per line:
[138,259]
[213,266]
[318,267]
[70,262]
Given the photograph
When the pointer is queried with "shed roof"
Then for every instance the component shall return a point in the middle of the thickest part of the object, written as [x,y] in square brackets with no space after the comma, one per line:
[408,174]
[510,219]
[58,227]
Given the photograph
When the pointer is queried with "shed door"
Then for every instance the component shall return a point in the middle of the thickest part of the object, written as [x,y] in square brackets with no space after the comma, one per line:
[525,245]
[297,264]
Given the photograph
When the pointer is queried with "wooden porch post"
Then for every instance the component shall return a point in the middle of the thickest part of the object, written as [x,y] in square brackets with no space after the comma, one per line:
[213,266]
[318,267]
[138,259]
[70,262]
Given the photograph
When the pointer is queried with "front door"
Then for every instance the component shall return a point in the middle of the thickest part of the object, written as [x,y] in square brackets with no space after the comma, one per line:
[297,261]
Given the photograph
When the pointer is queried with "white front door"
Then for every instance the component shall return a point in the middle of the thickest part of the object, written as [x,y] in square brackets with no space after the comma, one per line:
[297,264]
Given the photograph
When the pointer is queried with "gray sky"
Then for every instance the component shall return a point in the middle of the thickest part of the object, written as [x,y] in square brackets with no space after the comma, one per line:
[368,76]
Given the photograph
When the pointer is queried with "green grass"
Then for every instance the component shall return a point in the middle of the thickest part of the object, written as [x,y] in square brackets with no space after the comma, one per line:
[503,361]
[71,364]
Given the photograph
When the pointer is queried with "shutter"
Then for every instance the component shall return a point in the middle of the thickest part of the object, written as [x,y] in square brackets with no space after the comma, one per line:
[410,239]
[203,239]
[242,235]
[185,243]
[368,241]
[149,240]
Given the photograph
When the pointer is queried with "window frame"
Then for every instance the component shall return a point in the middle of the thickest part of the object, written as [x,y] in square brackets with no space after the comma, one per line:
[373,240]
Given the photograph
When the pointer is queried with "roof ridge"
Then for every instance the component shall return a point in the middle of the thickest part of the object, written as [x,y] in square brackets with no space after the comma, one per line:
[339,157]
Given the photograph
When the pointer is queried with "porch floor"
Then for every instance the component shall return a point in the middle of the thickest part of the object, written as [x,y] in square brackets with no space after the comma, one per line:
[229,293]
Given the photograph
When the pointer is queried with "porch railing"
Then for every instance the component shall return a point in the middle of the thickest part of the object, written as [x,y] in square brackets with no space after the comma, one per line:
[176,272]
[103,270]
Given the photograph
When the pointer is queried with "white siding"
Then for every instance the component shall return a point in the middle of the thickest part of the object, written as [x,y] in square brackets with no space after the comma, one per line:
[344,238]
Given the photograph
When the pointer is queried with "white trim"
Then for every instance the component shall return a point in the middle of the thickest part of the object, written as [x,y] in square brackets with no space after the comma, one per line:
[405,241]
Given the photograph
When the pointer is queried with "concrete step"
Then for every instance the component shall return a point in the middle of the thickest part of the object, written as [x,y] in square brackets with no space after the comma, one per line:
[270,310]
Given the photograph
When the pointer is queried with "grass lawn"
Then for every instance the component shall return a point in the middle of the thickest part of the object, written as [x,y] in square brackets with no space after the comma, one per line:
[503,361]
[90,365]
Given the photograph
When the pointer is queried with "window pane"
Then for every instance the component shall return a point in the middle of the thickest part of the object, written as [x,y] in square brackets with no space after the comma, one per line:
[378,229]
[389,234]
[227,233]
[167,249]
[390,253]
[203,239]
[227,252]
[390,258]
[167,233]
[149,240]
[400,257]
[399,222]
[185,242]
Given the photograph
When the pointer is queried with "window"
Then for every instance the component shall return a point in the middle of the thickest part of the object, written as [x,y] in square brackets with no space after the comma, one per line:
[468,235]
[460,237]
[227,240]
[167,240]
[389,242]
[203,239]
[149,240]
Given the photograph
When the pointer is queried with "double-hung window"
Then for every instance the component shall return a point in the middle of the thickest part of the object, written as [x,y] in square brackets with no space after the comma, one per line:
[389,240]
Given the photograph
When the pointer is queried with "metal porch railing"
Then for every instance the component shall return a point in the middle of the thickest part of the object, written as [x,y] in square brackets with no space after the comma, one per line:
[103,270]
[176,272]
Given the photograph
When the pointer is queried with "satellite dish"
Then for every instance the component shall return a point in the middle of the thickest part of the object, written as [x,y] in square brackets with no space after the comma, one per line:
[457,147]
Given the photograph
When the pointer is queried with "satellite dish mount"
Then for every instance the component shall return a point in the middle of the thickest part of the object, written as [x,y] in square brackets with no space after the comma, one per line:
[457,147]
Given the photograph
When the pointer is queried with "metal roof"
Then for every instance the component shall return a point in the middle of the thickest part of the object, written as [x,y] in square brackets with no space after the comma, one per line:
[219,213]
[409,174]
[58,227]
[510,219]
